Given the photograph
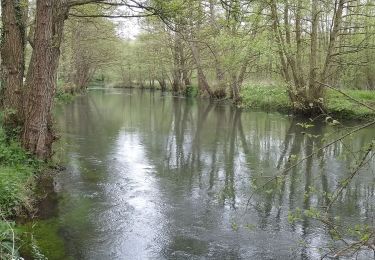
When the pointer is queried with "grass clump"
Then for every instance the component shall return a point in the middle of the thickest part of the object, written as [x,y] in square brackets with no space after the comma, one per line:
[271,97]
[341,107]
[266,97]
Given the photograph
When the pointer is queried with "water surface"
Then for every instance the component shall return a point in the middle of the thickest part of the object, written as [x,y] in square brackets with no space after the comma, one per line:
[151,176]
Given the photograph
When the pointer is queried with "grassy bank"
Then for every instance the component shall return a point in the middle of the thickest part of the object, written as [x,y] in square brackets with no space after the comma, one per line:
[271,97]
[19,175]
[17,172]
[17,182]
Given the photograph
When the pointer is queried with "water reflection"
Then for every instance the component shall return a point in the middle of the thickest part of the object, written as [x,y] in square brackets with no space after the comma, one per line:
[155,176]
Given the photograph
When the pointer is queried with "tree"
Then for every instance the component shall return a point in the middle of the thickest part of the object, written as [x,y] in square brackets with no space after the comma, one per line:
[14,17]
[89,45]
[318,37]
[37,129]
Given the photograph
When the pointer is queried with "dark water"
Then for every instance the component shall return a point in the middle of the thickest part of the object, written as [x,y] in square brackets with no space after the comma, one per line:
[158,177]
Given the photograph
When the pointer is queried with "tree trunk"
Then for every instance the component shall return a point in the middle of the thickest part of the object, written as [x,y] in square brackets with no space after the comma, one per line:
[333,39]
[13,17]
[38,134]
[203,83]
[314,91]
[163,84]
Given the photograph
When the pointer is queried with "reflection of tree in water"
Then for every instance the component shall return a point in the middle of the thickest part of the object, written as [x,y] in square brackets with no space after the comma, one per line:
[214,152]
[199,140]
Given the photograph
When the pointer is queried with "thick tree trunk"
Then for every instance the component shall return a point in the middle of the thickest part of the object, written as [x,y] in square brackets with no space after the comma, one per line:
[38,134]
[13,16]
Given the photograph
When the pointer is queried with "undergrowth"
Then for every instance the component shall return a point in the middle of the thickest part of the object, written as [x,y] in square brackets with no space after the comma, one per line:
[17,181]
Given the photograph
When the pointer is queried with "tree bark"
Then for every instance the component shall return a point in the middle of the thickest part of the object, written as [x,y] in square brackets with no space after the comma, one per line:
[38,133]
[13,17]
[314,88]
[337,20]
[203,83]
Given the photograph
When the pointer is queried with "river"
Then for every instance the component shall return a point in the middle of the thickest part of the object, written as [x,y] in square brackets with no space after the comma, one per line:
[152,176]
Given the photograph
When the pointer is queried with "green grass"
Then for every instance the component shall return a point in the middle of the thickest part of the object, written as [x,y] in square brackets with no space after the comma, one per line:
[17,181]
[271,97]
[266,97]
[341,107]
[17,173]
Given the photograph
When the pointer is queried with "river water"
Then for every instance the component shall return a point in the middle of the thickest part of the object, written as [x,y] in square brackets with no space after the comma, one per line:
[152,176]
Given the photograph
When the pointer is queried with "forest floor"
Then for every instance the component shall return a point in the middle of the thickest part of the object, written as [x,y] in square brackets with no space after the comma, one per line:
[271,97]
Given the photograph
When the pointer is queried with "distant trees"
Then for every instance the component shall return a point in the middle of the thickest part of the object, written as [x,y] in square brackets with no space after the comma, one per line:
[89,45]
[206,43]
[223,43]
[320,35]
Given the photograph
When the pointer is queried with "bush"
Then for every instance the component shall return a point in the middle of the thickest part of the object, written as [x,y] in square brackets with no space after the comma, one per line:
[63,96]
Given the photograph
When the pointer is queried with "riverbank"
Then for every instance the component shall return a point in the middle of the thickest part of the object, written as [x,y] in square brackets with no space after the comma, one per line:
[271,97]
[274,98]
[18,173]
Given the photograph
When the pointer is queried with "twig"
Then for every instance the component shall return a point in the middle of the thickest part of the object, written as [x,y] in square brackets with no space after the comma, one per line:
[347,180]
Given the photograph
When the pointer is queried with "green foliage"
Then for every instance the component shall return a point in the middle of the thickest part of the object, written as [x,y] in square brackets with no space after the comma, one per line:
[15,187]
[90,49]
[62,96]
[8,249]
[11,153]
[191,91]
